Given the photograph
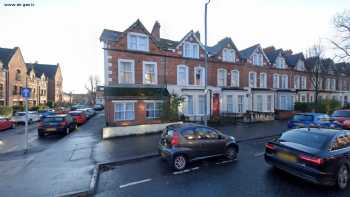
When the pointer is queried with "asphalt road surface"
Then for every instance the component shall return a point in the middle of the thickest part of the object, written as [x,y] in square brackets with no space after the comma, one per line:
[248,176]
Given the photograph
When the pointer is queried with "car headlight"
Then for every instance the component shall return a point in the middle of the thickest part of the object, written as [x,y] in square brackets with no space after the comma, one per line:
[232,138]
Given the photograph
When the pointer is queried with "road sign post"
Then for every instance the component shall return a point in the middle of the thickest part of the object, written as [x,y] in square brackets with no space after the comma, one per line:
[26,95]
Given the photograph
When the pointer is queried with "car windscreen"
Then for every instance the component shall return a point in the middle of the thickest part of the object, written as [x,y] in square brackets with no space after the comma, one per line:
[53,119]
[306,138]
[341,114]
[302,117]
[75,113]
[20,114]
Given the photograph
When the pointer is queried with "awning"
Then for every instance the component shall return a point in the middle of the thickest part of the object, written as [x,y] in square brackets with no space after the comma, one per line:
[139,92]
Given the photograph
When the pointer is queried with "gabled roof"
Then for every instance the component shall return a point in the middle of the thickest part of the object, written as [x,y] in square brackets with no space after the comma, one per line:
[109,35]
[292,60]
[6,55]
[246,53]
[48,69]
[272,55]
[214,50]
[190,33]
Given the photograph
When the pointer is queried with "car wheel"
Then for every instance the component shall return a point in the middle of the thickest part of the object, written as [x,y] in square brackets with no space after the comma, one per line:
[343,177]
[179,162]
[231,153]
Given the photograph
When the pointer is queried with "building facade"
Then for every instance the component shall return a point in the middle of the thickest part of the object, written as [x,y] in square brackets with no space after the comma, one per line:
[142,70]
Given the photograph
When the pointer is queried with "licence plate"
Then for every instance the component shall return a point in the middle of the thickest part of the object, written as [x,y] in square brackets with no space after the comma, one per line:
[51,129]
[286,157]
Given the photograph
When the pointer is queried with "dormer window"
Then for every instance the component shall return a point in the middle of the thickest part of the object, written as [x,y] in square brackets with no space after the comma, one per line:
[191,50]
[300,65]
[138,42]
[257,59]
[228,55]
[280,63]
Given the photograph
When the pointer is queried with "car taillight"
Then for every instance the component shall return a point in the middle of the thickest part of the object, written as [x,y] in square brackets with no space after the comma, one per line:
[175,140]
[269,146]
[312,160]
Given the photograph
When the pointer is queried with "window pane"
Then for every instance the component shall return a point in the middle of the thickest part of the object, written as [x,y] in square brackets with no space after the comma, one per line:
[229,103]
[201,104]
[190,105]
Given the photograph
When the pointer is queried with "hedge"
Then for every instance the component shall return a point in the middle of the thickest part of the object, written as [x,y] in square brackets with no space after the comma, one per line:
[6,111]
[324,106]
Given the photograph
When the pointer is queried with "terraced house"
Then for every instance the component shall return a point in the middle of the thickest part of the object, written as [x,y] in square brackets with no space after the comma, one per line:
[142,70]
[16,74]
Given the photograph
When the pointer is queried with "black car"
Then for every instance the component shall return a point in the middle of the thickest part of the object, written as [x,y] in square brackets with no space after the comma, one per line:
[321,156]
[60,123]
[183,143]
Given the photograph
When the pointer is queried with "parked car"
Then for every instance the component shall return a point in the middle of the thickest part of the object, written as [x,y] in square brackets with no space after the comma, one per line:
[76,107]
[342,117]
[79,117]
[88,112]
[317,155]
[59,123]
[301,120]
[183,143]
[6,123]
[92,111]
[20,117]
[98,107]
[46,112]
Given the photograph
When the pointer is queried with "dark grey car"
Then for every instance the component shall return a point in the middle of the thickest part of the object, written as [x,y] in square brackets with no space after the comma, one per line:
[183,143]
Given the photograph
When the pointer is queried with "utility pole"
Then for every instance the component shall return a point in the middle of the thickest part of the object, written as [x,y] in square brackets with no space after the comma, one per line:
[206,66]
[25,94]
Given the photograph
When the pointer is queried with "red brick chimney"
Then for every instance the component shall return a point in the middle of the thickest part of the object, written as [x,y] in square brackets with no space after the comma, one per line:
[156,30]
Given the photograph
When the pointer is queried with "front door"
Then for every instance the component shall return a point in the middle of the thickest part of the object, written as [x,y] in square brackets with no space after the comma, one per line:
[216,105]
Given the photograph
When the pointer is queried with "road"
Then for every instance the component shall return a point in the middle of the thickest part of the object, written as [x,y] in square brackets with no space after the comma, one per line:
[248,176]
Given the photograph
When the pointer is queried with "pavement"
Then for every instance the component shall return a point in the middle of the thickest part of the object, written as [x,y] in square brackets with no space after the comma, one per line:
[57,166]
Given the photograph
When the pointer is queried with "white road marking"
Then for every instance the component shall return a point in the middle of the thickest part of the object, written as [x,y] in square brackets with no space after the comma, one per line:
[185,171]
[259,154]
[134,183]
[222,162]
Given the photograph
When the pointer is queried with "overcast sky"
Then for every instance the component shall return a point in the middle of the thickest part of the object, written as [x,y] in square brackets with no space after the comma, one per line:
[67,31]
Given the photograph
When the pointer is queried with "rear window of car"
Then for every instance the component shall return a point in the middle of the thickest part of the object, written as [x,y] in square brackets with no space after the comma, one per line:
[53,119]
[306,138]
[341,114]
[302,117]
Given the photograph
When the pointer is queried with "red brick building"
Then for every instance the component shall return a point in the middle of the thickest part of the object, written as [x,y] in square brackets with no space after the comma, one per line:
[142,69]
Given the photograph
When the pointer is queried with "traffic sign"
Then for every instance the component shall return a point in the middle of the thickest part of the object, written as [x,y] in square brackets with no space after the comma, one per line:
[25,92]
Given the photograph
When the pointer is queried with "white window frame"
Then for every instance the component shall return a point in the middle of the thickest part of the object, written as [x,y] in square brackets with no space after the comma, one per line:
[284,81]
[249,80]
[202,79]
[192,53]
[186,75]
[138,35]
[276,81]
[187,105]
[234,82]
[144,72]
[263,83]
[229,103]
[303,82]
[154,109]
[228,55]
[132,70]
[218,77]
[280,62]
[333,84]
[269,102]
[258,58]
[296,82]
[240,105]
[199,105]
[124,103]
[259,107]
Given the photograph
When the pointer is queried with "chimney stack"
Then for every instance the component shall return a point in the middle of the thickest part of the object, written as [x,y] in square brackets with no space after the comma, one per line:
[198,35]
[156,30]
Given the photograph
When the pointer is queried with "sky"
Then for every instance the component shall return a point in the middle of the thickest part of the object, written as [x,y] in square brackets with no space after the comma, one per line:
[68,31]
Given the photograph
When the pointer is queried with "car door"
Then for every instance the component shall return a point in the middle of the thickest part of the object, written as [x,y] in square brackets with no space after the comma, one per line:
[191,143]
[210,142]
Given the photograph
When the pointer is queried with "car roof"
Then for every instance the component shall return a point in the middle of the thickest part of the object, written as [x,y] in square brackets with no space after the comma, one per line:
[56,115]
[322,131]
[185,125]
[342,110]
[311,114]
[76,111]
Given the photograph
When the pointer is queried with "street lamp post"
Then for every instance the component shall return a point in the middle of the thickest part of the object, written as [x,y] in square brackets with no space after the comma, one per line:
[206,65]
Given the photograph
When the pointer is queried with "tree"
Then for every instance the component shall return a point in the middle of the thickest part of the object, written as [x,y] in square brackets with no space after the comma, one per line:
[91,88]
[314,66]
[342,41]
